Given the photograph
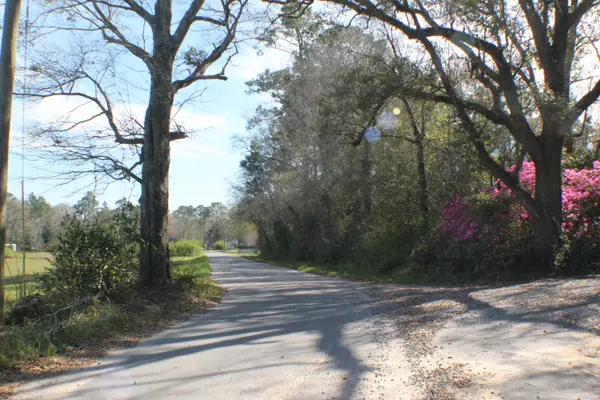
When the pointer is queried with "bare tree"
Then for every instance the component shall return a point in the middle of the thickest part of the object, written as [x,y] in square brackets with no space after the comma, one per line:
[527,73]
[8,59]
[142,32]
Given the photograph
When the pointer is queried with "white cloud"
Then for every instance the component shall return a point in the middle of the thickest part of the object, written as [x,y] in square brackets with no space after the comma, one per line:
[198,122]
[67,110]
[191,149]
[71,110]
[249,65]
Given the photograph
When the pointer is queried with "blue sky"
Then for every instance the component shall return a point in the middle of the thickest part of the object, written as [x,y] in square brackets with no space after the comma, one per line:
[202,167]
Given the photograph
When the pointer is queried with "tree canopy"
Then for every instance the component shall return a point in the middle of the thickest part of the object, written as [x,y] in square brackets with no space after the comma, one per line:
[459,97]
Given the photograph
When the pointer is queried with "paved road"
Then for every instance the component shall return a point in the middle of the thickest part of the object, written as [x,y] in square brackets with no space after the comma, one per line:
[279,334]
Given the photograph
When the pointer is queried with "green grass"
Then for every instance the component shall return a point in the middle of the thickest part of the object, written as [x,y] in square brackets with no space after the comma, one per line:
[197,267]
[103,324]
[228,251]
[36,263]
[185,248]
[193,274]
[345,271]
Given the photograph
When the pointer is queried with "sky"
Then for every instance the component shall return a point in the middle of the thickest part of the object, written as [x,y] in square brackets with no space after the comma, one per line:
[202,167]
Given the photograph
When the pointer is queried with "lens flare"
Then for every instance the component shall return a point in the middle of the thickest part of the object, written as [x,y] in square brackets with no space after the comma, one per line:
[372,134]
[387,121]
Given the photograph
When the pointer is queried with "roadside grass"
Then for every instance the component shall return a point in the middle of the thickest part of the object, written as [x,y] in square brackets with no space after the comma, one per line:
[193,274]
[229,251]
[349,272]
[72,340]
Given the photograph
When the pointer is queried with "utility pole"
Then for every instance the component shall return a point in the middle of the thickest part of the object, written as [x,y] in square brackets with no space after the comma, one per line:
[8,61]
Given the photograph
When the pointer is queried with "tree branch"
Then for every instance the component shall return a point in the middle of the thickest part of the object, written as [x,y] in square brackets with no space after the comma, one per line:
[140,10]
[538,30]
[120,39]
[186,22]
[575,16]
[582,105]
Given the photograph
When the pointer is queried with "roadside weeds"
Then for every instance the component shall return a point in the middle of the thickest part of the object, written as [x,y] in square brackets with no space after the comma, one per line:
[101,327]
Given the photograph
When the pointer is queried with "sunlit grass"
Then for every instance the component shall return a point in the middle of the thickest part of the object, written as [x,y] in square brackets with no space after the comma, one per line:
[36,263]
[351,272]
[194,273]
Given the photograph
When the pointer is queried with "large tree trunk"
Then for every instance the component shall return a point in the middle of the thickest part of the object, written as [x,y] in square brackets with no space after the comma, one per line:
[7,79]
[423,189]
[419,137]
[154,201]
[548,198]
[154,224]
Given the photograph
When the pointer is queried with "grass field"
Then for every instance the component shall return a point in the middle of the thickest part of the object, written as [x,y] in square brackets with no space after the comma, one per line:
[36,263]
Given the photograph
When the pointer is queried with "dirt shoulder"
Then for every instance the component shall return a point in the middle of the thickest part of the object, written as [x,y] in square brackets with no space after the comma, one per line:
[526,341]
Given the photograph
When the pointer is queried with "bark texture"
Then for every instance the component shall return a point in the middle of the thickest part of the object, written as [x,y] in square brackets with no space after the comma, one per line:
[547,219]
[154,201]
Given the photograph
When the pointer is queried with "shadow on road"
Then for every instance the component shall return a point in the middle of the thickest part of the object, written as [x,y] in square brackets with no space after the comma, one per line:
[265,304]
[268,303]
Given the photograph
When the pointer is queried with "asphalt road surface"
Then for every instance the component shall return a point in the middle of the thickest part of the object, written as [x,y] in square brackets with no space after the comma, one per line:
[278,334]
[283,334]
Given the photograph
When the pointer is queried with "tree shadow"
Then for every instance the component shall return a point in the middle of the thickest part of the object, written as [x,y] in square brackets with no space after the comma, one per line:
[266,304]
[514,326]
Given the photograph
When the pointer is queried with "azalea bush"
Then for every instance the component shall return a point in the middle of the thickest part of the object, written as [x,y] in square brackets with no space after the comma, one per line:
[488,235]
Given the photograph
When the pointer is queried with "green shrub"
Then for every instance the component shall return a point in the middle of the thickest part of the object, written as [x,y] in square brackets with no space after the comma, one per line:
[93,259]
[390,245]
[219,245]
[185,248]
[48,323]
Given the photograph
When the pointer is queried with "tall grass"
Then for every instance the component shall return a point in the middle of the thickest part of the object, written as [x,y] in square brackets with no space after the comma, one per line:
[193,274]
[101,322]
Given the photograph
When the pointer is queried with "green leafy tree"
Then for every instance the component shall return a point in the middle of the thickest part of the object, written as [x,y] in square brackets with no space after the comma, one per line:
[522,72]
[87,206]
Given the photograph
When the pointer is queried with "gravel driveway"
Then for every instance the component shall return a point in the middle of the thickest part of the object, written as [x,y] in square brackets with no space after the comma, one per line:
[539,340]
[282,334]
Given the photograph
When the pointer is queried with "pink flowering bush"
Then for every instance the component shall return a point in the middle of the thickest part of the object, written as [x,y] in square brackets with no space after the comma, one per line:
[581,202]
[581,197]
[457,224]
[488,235]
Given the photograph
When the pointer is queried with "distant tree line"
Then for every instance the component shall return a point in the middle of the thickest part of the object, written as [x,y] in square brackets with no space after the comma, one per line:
[43,220]
[210,224]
